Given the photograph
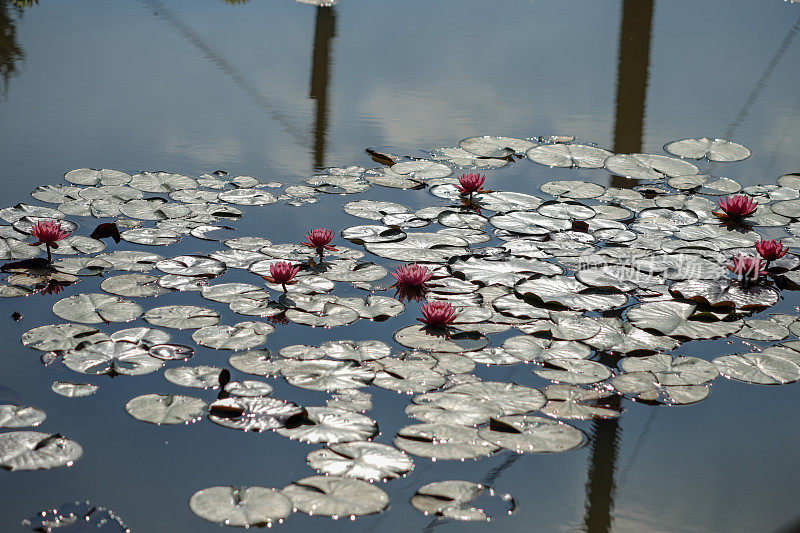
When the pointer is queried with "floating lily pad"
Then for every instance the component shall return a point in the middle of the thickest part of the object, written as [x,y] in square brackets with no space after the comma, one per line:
[96,309]
[420,247]
[329,425]
[249,388]
[166,408]
[442,441]
[351,399]
[31,450]
[150,236]
[61,337]
[714,150]
[111,357]
[673,318]
[260,413]
[644,386]
[336,496]
[248,197]
[456,500]
[181,317]
[760,368]
[495,147]
[20,416]
[132,261]
[257,362]
[171,352]
[237,337]
[192,265]
[568,155]
[331,315]
[424,338]
[531,434]
[726,293]
[133,285]
[241,506]
[161,182]
[671,371]
[90,176]
[649,167]
[570,293]
[74,390]
[327,375]
[199,377]
[574,371]
[364,460]
[576,403]
[422,169]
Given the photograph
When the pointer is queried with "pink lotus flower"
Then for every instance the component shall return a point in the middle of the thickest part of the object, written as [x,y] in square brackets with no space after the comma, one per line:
[48,232]
[747,266]
[319,239]
[282,272]
[771,250]
[470,183]
[412,275]
[737,206]
[437,314]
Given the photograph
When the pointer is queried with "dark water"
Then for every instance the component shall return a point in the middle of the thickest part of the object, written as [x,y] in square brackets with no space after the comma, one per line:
[278,89]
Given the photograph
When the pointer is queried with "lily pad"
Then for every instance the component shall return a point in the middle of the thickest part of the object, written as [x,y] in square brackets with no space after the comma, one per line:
[20,416]
[329,425]
[327,375]
[133,285]
[442,441]
[199,377]
[241,506]
[240,336]
[166,408]
[336,496]
[456,500]
[532,434]
[364,460]
[74,390]
[424,338]
[181,317]
[649,167]
[61,337]
[759,368]
[31,450]
[714,150]
[568,155]
[96,309]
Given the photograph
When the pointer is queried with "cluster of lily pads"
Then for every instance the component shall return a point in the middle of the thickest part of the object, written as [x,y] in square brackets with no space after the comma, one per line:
[554,281]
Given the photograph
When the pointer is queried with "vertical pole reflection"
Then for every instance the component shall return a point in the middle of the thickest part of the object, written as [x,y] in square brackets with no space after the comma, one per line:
[601,485]
[632,73]
[11,53]
[324,31]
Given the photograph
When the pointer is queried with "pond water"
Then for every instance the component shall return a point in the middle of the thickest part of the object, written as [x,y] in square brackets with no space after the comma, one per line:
[282,90]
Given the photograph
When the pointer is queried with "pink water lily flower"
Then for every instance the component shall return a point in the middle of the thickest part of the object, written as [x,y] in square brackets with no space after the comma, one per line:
[747,266]
[438,314]
[282,272]
[48,232]
[771,250]
[737,206]
[412,275]
[470,183]
[319,239]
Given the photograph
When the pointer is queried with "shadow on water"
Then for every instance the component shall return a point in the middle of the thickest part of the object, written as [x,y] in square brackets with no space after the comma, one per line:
[324,31]
[632,77]
[11,53]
